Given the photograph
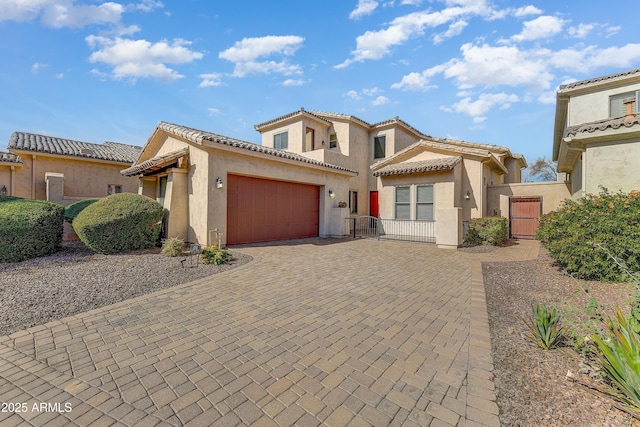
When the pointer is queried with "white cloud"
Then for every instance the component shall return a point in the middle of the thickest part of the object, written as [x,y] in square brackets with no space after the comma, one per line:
[411,2]
[245,54]
[36,67]
[353,95]
[293,82]
[211,80]
[539,28]
[213,111]
[454,30]
[527,10]
[381,100]
[66,14]
[147,5]
[419,81]
[498,66]
[22,10]
[581,31]
[481,106]
[140,58]
[371,92]
[364,7]
[618,57]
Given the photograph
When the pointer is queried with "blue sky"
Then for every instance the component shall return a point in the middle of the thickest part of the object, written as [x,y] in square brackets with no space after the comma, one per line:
[477,70]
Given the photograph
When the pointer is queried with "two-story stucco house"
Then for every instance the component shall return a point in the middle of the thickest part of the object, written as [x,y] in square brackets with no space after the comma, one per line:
[62,170]
[597,133]
[216,187]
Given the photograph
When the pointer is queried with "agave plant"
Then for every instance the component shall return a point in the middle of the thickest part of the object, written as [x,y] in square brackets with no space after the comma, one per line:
[620,358]
[544,327]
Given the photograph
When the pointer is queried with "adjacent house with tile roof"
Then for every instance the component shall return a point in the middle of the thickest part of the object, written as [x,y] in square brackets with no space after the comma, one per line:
[63,170]
[596,138]
[219,188]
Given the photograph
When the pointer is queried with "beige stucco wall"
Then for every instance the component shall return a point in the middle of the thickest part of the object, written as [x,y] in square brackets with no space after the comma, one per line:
[594,105]
[551,193]
[8,173]
[82,178]
[613,165]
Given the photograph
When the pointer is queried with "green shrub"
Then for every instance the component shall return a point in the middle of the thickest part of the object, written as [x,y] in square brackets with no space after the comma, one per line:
[576,233]
[487,231]
[72,211]
[120,222]
[545,327]
[619,355]
[29,228]
[172,247]
[214,255]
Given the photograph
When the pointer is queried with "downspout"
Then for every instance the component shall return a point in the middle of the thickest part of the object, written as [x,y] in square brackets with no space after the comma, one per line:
[33,176]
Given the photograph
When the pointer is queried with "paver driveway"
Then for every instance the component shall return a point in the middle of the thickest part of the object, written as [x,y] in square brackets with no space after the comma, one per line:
[315,332]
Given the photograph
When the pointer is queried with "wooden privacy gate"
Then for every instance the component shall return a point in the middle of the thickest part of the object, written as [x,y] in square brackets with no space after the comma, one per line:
[524,215]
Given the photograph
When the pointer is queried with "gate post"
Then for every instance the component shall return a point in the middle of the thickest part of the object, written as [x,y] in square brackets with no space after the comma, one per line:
[377,222]
[354,227]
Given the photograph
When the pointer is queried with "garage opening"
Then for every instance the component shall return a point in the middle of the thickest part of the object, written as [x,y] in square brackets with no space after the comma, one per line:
[524,215]
[264,210]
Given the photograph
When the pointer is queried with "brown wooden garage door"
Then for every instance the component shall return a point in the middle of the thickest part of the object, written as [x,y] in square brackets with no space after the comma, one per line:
[525,212]
[263,210]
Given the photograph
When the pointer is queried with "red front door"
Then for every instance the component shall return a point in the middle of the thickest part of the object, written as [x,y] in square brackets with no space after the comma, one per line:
[373,204]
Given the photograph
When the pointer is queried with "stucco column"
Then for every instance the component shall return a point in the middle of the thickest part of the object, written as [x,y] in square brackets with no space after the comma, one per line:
[449,228]
[176,203]
[55,187]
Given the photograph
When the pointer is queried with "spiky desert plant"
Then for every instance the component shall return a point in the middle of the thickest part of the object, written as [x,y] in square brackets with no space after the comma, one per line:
[544,327]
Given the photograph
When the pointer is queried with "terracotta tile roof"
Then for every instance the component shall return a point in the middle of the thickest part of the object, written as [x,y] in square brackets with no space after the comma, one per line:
[431,165]
[595,80]
[325,114]
[299,112]
[155,163]
[198,136]
[397,120]
[9,157]
[602,125]
[111,151]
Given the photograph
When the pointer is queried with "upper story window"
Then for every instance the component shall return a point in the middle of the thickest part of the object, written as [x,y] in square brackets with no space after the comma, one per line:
[333,140]
[379,147]
[617,106]
[281,140]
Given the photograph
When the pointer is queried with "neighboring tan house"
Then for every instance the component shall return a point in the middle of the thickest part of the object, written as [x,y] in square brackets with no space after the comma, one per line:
[64,171]
[219,188]
[596,138]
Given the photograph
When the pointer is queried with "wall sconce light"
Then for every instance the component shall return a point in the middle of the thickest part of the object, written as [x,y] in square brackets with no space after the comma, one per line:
[218,182]
[3,190]
[332,194]
[468,195]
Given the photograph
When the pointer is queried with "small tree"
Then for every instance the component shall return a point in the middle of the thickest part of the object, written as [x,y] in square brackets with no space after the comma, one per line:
[543,169]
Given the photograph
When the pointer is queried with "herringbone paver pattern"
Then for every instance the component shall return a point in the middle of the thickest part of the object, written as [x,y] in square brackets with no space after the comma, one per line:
[314,332]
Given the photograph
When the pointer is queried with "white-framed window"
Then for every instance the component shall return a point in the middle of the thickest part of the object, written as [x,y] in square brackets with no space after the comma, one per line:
[379,147]
[617,107]
[414,202]
[333,140]
[403,203]
[281,140]
[424,202]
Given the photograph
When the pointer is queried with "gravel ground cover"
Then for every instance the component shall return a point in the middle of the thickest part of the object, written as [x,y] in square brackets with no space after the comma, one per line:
[531,384]
[76,279]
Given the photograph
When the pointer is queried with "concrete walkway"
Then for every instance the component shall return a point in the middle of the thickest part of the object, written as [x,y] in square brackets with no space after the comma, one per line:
[314,332]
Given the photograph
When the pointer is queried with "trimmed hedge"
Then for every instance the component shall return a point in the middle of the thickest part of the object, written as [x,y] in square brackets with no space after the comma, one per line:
[29,228]
[120,222]
[72,211]
[580,233]
[487,231]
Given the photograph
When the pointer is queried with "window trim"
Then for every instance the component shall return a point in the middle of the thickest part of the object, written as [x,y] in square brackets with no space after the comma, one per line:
[353,201]
[418,202]
[396,203]
[281,134]
[383,140]
[333,143]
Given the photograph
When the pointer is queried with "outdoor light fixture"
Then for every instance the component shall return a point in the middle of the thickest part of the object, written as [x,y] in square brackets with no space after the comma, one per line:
[468,195]
[218,182]
[3,190]
[332,194]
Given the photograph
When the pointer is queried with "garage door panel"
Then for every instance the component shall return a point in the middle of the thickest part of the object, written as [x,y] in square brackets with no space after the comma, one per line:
[260,210]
